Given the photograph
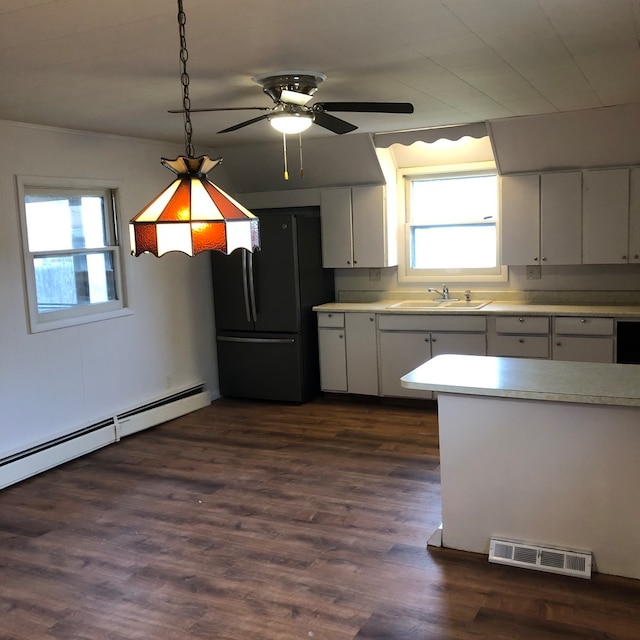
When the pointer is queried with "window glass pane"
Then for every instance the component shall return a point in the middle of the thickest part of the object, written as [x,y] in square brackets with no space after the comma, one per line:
[58,223]
[456,199]
[453,247]
[78,279]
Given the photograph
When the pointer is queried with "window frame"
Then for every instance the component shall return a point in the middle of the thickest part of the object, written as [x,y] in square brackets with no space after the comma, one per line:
[476,276]
[79,314]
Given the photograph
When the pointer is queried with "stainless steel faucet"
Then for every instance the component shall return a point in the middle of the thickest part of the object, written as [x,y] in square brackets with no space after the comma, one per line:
[444,294]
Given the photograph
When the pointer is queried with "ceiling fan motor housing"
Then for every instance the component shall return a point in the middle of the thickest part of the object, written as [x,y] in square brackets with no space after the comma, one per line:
[305,82]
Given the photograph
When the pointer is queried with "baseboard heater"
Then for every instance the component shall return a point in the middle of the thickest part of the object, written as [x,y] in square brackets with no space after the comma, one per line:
[27,463]
[542,558]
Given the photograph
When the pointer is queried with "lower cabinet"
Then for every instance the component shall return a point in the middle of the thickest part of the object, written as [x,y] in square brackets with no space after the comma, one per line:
[348,353]
[402,348]
[368,353]
[520,337]
[583,339]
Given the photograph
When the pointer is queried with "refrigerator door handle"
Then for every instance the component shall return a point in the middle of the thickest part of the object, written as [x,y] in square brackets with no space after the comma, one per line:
[257,340]
[252,290]
[245,285]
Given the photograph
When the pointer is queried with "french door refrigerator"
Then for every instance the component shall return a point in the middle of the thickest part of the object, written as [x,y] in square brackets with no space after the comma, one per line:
[266,330]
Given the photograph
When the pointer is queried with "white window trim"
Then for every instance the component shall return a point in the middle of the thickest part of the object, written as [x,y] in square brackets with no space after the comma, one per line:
[39,322]
[406,275]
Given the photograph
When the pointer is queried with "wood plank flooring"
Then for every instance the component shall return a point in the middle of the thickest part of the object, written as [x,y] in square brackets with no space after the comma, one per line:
[251,520]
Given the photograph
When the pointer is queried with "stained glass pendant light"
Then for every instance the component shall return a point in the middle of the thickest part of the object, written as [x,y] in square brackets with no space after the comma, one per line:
[192,214]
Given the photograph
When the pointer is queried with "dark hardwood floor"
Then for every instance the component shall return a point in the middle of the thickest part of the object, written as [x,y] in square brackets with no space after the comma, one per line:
[250,520]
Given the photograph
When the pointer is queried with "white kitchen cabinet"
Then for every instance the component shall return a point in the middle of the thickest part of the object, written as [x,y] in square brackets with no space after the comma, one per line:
[541,218]
[356,228]
[520,219]
[348,354]
[583,339]
[634,215]
[561,217]
[406,341]
[401,352]
[362,355]
[605,216]
[333,352]
[519,337]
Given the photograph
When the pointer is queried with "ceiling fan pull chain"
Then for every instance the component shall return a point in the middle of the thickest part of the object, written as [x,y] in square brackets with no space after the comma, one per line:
[300,147]
[284,150]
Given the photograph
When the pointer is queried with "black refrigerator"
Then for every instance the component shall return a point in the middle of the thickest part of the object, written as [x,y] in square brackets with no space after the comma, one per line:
[266,330]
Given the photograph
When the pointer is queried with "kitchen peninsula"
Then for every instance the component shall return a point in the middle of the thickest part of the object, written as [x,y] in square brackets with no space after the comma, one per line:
[540,451]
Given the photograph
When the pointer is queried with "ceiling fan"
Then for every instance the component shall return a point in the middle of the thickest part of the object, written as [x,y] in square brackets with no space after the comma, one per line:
[291,92]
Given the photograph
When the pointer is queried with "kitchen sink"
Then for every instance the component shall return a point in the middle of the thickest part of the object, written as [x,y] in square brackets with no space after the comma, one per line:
[448,305]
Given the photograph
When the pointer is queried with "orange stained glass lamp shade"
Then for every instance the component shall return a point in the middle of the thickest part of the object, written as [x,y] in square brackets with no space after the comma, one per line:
[193,215]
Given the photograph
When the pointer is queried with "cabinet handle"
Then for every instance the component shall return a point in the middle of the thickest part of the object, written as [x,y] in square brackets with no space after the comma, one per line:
[340,336]
[583,320]
[535,259]
[520,319]
[544,259]
[355,262]
[558,344]
[330,315]
[433,339]
[624,257]
[521,340]
[636,256]
[348,261]
[371,319]
[426,339]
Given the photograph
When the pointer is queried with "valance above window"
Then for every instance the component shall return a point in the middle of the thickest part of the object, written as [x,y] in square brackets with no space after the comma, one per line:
[453,132]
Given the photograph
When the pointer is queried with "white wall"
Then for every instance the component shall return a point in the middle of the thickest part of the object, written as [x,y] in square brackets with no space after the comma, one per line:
[57,381]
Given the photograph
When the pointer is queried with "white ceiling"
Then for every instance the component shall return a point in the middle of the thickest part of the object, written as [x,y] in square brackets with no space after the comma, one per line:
[112,65]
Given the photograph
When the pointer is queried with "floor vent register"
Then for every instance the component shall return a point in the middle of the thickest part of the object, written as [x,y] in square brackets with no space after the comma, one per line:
[531,556]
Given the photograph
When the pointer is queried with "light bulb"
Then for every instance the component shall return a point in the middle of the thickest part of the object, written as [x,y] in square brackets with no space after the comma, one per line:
[291,123]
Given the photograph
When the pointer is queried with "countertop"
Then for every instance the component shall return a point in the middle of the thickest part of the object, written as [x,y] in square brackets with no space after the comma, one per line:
[552,380]
[493,308]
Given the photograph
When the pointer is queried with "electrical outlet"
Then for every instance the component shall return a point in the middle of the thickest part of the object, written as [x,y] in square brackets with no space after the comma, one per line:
[375,275]
[534,272]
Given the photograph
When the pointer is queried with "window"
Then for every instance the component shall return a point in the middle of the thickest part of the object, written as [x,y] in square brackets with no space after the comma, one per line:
[71,254]
[451,225]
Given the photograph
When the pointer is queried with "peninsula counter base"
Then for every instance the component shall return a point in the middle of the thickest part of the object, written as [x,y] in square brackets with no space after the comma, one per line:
[550,473]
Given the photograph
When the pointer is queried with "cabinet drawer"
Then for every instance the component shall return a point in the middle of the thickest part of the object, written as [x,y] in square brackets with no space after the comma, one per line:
[335,320]
[514,346]
[522,324]
[435,322]
[584,326]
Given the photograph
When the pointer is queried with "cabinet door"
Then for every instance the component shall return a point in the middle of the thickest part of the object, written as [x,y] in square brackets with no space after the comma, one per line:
[605,216]
[561,218]
[333,359]
[470,344]
[520,219]
[337,232]
[401,352]
[369,229]
[581,349]
[362,356]
[634,216]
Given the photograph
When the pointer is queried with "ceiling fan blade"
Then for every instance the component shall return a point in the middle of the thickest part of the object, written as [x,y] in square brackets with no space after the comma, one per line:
[365,107]
[235,127]
[222,109]
[332,123]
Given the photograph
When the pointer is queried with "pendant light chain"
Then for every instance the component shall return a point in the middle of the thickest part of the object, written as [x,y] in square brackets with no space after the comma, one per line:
[184,79]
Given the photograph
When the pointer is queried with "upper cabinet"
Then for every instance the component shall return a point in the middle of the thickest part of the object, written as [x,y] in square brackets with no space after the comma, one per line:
[356,229]
[605,216]
[541,218]
[571,217]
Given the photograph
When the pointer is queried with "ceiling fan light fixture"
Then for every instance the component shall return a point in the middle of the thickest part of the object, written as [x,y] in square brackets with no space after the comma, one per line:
[291,122]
